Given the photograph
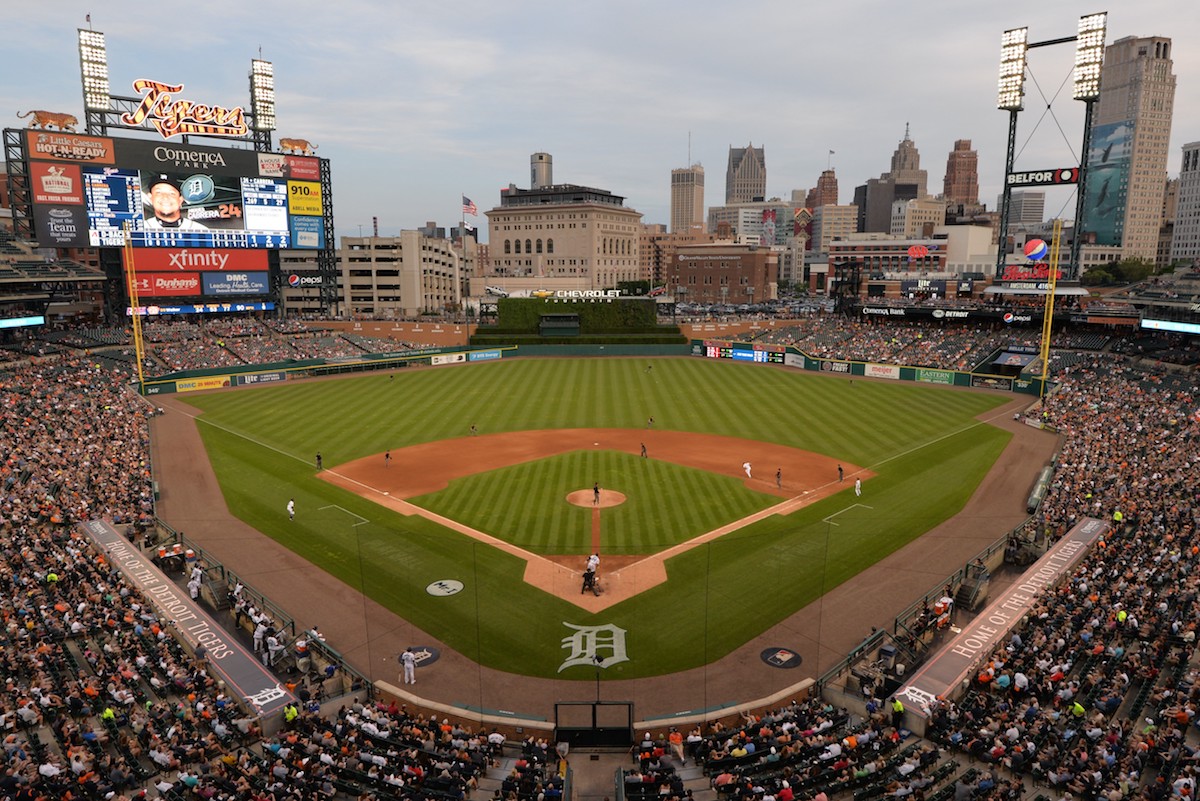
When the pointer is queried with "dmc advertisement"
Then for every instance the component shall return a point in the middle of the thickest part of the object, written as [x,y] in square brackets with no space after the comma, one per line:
[234,283]
[1108,181]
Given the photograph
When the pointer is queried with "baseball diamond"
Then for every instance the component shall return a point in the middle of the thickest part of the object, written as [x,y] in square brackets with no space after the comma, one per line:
[683,596]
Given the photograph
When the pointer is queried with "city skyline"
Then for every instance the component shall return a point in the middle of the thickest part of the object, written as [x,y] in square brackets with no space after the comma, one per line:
[416,111]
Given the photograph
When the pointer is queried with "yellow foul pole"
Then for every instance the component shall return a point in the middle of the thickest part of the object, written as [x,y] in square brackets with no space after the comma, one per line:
[1048,314]
[131,287]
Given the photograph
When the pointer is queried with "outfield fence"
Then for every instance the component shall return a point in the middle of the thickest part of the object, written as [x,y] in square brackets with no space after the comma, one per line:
[794,357]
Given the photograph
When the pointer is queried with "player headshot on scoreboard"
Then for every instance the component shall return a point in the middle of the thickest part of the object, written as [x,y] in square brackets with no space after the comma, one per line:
[166,207]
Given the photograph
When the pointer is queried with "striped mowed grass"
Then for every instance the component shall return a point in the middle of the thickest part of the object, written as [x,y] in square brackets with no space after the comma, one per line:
[665,504]
[923,443]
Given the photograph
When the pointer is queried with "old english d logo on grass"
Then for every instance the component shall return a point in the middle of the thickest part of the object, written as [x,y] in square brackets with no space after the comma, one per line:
[589,642]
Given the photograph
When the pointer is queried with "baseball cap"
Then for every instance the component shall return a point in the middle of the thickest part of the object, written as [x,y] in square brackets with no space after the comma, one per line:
[162,179]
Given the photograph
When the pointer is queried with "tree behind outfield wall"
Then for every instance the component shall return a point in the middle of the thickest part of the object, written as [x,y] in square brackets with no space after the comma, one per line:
[1125,271]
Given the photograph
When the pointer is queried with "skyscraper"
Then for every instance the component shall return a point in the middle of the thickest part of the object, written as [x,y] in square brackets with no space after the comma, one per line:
[687,198]
[826,193]
[1131,131]
[1185,239]
[904,181]
[962,174]
[746,175]
[1026,208]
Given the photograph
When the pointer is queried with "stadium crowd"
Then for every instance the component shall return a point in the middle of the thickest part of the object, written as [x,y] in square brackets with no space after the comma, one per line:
[1094,694]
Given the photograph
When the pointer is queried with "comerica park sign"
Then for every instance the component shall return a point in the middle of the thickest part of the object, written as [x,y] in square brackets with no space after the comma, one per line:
[1059,175]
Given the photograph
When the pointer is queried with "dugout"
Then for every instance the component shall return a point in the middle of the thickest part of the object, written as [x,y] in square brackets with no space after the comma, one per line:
[559,325]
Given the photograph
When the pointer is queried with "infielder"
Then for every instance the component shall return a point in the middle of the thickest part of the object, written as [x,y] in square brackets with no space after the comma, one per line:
[409,660]
[746,467]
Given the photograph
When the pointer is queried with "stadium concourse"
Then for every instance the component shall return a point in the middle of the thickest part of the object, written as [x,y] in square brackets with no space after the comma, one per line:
[1093,695]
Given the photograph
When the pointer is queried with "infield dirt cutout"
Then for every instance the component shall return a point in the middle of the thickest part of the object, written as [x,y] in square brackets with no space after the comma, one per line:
[421,469]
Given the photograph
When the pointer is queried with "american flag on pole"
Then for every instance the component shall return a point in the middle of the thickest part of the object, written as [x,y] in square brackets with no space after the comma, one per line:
[469,207]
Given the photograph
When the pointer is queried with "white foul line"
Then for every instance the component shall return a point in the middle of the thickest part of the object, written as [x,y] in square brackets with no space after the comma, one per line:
[829,519]
[347,511]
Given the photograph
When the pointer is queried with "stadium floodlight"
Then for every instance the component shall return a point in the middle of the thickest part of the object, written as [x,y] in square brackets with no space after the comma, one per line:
[1011,95]
[1089,55]
[262,94]
[93,67]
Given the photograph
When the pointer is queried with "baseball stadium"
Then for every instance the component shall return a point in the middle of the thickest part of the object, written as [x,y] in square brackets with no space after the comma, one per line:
[921,539]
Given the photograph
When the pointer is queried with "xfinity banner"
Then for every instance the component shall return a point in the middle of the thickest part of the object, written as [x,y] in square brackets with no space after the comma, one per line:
[235,283]
[158,260]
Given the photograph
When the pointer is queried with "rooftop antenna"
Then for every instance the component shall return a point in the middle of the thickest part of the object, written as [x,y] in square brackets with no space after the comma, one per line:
[689,161]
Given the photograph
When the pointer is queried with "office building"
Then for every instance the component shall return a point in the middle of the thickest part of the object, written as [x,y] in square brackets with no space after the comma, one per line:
[904,181]
[725,273]
[1026,208]
[563,231]
[687,199]
[1127,161]
[746,175]
[830,223]
[825,193]
[961,184]
[1185,238]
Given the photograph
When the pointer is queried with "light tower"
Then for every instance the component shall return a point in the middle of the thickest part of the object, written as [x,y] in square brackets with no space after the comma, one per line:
[1089,55]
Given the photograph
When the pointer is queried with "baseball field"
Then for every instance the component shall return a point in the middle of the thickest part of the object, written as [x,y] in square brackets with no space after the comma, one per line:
[478,537]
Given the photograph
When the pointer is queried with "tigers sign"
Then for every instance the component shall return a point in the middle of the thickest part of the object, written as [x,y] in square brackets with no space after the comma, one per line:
[172,117]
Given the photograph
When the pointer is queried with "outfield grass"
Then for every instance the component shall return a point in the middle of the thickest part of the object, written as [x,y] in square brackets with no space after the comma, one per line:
[926,449]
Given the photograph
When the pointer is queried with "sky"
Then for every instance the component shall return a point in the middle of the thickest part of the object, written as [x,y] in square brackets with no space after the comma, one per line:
[416,103]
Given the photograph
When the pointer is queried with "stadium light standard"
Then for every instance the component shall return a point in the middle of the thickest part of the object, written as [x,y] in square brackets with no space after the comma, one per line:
[1089,57]
[1010,97]
[262,94]
[93,68]
[262,103]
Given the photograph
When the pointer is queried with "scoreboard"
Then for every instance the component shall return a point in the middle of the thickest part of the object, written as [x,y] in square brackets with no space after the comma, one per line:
[94,191]
[742,353]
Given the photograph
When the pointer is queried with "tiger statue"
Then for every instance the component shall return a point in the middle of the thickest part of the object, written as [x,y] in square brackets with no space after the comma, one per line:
[46,119]
[301,146]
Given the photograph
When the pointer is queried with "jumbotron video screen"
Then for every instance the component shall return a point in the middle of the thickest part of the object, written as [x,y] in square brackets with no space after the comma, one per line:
[89,191]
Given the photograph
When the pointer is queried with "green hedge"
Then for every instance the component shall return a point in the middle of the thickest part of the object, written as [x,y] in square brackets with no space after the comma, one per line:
[524,314]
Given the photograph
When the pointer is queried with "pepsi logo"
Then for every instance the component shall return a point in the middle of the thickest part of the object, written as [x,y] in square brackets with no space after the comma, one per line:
[295,280]
[1008,317]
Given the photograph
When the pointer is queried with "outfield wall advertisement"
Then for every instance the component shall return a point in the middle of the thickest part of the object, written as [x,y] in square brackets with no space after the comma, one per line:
[797,359]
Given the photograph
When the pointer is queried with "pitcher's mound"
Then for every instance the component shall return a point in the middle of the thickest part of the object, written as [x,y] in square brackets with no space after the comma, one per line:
[586,498]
